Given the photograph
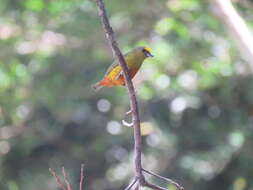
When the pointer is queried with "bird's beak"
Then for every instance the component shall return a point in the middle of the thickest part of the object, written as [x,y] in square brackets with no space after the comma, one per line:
[148,54]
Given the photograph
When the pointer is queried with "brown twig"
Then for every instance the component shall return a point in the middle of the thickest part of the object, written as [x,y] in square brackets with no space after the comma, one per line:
[81,177]
[131,184]
[179,187]
[67,185]
[125,123]
[66,178]
[153,186]
[128,112]
[57,179]
[131,92]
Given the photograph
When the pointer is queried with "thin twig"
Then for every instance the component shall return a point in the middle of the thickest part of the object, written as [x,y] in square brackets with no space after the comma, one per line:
[153,186]
[125,123]
[164,178]
[131,92]
[81,178]
[57,179]
[66,178]
[128,112]
[131,184]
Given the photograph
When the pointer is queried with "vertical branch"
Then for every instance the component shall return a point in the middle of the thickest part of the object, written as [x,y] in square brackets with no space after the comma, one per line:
[66,178]
[236,26]
[134,107]
[81,178]
[133,102]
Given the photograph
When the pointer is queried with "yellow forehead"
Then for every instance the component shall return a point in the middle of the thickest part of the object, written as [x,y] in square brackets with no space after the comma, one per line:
[148,49]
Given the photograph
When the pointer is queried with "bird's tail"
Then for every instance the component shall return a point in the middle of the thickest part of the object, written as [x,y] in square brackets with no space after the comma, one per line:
[96,87]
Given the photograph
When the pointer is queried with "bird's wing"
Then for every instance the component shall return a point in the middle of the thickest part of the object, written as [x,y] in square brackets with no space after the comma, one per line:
[116,63]
[115,71]
[111,67]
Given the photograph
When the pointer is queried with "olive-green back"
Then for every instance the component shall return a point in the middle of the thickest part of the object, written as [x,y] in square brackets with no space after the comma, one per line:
[134,60]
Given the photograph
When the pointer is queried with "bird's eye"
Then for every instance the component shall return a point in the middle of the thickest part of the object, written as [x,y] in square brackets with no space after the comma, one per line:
[147,53]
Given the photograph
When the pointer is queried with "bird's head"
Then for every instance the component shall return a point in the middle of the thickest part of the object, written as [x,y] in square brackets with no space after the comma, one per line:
[143,52]
[146,51]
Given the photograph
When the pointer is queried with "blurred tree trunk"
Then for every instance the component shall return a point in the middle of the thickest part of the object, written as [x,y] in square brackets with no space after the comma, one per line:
[236,27]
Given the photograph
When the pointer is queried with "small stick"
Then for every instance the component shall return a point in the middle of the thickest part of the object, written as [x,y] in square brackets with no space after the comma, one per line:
[164,178]
[129,112]
[66,178]
[131,184]
[57,179]
[81,178]
[125,123]
[153,186]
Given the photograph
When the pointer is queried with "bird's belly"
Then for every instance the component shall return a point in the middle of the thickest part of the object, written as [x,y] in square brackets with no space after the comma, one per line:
[132,73]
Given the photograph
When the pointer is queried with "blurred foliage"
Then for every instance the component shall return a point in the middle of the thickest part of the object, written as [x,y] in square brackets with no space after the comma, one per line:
[195,95]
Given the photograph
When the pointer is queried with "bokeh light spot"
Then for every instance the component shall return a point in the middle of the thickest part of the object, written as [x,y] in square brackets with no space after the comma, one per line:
[146,128]
[236,139]
[153,140]
[163,81]
[178,105]
[103,105]
[6,132]
[22,111]
[239,184]
[188,79]
[113,127]
[4,147]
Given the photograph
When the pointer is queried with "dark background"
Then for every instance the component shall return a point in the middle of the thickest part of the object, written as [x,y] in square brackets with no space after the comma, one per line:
[195,96]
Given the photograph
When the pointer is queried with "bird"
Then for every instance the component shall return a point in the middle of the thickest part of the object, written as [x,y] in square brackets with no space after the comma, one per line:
[114,74]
